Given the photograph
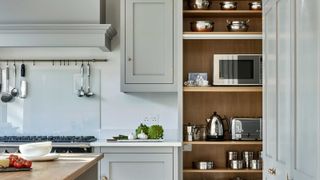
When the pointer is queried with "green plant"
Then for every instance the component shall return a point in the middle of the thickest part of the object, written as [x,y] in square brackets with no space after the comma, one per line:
[155,132]
[144,128]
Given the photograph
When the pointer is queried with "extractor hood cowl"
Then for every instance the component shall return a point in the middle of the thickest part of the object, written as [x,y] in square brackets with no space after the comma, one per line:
[57,35]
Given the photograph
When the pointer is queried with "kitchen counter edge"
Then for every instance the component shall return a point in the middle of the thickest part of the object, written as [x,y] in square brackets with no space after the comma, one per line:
[136,144]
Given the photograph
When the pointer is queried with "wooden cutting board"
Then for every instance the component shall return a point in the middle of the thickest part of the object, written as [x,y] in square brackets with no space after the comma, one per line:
[12,169]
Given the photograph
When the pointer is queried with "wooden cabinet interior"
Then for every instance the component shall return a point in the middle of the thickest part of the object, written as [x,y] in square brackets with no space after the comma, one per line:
[200,102]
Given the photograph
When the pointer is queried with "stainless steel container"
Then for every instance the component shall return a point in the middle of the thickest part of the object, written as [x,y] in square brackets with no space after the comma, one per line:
[203,165]
[247,156]
[231,155]
[199,4]
[202,26]
[228,5]
[236,164]
[255,5]
[238,26]
[256,164]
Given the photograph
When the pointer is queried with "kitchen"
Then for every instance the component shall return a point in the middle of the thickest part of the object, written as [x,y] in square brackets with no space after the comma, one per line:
[145,84]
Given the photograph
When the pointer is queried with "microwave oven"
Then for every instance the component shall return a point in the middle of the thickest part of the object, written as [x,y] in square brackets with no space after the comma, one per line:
[237,69]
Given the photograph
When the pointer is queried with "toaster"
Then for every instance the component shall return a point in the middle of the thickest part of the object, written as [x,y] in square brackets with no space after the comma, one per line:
[246,129]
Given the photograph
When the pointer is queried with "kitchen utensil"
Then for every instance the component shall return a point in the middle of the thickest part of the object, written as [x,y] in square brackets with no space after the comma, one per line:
[35,149]
[202,26]
[228,5]
[199,4]
[255,164]
[255,5]
[215,129]
[89,93]
[81,92]
[238,25]
[231,155]
[203,165]
[190,131]
[14,91]
[6,96]
[247,156]
[23,82]
[196,133]
[236,164]
[203,132]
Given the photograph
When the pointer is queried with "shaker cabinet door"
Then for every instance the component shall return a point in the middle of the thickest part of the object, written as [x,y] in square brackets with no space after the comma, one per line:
[137,167]
[149,42]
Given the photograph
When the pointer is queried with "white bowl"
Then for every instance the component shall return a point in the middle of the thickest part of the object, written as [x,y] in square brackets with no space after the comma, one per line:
[35,149]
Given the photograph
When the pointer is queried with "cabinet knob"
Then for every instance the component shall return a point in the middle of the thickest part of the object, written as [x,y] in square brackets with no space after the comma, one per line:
[272,171]
[104,178]
[129,59]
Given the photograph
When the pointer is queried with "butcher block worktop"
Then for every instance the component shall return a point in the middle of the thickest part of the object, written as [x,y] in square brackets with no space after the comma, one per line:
[67,167]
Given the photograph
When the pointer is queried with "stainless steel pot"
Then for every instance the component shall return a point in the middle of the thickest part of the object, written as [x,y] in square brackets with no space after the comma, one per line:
[256,164]
[236,164]
[203,165]
[199,4]
[247,156]
[238,26]
[202,26]
[228,5]
[255,5]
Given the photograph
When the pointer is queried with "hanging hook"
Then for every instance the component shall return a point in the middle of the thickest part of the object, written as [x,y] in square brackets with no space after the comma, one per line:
[64,62]
[7,62]
[34,63]
[76,62]
[68,63]
[14,62]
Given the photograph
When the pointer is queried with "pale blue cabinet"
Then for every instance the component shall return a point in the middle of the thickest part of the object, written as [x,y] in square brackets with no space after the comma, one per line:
[147,45]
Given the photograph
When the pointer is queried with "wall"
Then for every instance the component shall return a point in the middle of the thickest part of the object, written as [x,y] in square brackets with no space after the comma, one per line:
[111,112]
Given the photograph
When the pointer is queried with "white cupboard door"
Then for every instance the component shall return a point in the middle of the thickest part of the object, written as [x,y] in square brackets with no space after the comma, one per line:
[137,167]
[149,42]
[306,111]
[277,91]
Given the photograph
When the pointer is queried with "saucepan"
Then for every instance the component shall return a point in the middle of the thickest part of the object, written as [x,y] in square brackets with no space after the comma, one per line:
[228,5]
[238,25]
[255,5]
[199,4]
[202,26]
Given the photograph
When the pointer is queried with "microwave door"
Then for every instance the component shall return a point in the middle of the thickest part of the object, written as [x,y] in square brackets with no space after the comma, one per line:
[248,70]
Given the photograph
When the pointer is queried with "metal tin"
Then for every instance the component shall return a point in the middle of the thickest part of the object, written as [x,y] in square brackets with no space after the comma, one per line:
[247,156]
[236,164]
[256,164]
[203,165]
[199,4]
[202,26]
[255,5]
[228,5]
[231,155]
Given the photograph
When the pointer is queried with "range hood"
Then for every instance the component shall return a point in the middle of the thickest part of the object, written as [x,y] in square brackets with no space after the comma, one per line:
[57,35]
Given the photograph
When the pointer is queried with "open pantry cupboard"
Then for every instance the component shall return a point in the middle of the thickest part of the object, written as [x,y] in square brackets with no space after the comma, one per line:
[199,103]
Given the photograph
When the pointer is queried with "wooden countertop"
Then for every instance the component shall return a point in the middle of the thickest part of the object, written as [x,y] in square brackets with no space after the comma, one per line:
[67,167]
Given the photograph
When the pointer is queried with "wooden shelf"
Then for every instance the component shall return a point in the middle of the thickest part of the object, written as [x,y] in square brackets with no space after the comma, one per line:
[222,89]
[223,142]
[222,13]
[225,170]
[222,35]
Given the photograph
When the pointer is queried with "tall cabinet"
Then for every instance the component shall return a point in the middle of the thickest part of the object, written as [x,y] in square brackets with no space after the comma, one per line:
[199,103]
[291,91]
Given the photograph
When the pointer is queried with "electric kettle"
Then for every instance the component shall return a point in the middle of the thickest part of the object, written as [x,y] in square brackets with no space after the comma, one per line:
[215,129]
